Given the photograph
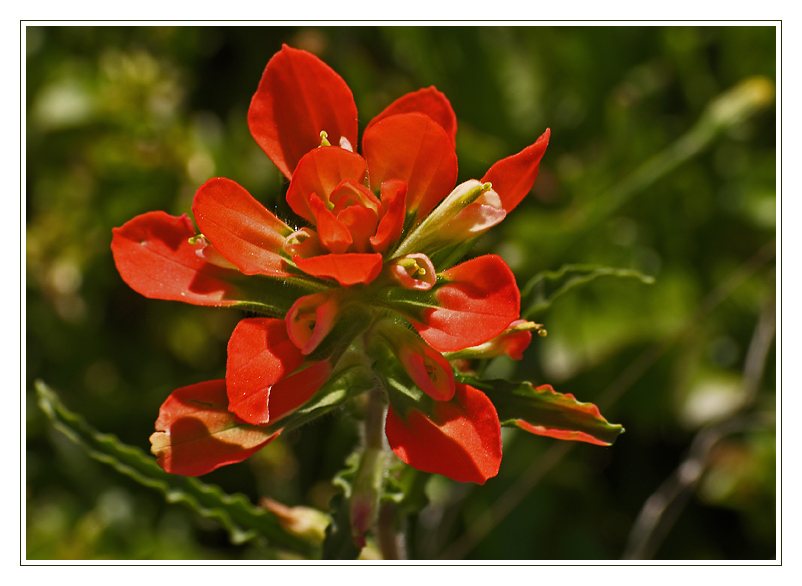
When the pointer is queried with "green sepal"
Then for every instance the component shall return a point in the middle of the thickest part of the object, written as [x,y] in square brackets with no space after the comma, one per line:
[274,296]
[543,411]
[541,291]
[447,257]
[411,303]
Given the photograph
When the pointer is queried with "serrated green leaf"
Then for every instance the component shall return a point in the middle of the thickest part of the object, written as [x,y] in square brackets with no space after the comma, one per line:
[235,513]
[543,411]
[540,292]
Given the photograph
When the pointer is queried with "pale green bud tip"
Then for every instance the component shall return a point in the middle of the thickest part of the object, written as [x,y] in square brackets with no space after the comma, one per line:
[529,326]
[324,138]
[197,238]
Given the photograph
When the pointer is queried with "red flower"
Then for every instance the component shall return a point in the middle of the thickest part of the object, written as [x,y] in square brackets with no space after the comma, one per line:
[348,291]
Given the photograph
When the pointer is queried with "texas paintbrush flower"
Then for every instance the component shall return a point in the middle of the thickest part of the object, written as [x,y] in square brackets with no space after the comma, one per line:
[364,297]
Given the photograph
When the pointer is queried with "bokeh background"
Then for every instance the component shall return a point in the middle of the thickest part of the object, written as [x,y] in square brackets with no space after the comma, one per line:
[662,160]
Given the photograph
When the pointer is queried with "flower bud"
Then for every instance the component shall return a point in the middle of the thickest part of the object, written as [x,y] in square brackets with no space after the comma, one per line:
[311,318]
[428,368]
[468,211]
[413,271]
[305,522]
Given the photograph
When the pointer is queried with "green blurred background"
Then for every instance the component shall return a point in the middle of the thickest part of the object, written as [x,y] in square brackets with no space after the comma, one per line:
[652,166]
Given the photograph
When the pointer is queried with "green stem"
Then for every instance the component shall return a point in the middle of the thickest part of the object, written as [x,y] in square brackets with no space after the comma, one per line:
[389,539]
[369,481]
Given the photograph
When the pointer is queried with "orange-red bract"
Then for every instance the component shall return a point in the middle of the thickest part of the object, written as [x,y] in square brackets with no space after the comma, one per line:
[298,97]
[460,438]
[245,232]
[196,433]
[478,301]
[514,176]
[262,374]
[155,257]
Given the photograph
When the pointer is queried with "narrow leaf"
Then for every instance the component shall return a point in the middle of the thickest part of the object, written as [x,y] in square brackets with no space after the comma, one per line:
[543,411]
[546,286]
[235,513]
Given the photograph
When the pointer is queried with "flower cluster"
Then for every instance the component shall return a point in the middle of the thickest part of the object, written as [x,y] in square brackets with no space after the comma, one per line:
[364,297]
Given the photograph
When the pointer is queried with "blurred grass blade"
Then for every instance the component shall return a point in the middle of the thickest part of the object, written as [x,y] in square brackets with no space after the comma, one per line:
[541,291]
[730,109]
[236,513]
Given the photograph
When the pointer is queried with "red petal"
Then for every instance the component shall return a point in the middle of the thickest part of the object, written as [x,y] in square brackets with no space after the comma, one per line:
[427,101]
[394,194]
[348,269]
[321,171]
[461,439]
[479,300]
[260,354]
[196,433]
[154,256]
[240,228]
[513,177]
[361,223]
[333,234]
[298,97]
[416,149]
[349,193]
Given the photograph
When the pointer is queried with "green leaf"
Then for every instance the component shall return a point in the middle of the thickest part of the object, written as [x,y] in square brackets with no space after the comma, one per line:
[274,296]
[546,286]
[235,513]
[543,411]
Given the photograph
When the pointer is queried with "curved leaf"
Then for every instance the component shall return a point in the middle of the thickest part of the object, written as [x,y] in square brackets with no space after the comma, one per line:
[546,286]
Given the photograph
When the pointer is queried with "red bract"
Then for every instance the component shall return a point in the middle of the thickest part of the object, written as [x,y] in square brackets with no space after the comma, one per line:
[267,376]
[156,257]
[356,289]
[460,438]
[477,301]
[196,433]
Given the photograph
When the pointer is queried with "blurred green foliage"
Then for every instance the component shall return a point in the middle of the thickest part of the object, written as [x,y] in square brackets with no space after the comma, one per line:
[124,120]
